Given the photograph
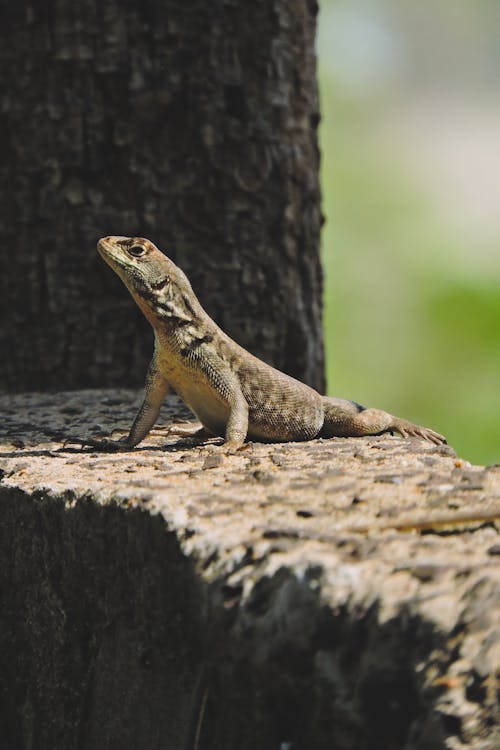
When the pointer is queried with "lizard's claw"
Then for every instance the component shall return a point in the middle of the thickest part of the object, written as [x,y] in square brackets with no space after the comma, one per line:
[229,448]
[431,436]
[407,429]
[107,445]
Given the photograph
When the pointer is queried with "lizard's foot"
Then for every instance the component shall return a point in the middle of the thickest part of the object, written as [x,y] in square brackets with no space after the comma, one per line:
[408,429]
[106,445]
[229,448]
[196,433]
[349,419]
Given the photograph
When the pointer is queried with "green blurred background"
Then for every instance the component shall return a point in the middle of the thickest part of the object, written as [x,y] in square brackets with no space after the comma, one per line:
[410,141]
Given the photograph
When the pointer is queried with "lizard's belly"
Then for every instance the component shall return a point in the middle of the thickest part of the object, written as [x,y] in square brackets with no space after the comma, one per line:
[210,409]
[196,391]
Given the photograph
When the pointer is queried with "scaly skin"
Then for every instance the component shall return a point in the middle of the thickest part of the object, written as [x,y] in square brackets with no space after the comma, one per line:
[233,394]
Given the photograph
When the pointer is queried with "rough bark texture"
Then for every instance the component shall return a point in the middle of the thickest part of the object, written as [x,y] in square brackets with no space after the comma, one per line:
[191,123]
[334,594]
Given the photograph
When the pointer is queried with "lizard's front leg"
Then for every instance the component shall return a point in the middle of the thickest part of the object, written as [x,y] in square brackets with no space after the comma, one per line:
[227,389]
[237,424]
[156,388]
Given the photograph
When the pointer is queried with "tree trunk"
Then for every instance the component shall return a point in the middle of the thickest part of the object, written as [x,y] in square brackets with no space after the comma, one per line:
[191,123]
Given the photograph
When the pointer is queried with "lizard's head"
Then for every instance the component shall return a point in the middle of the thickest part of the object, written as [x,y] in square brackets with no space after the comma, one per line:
[155,282]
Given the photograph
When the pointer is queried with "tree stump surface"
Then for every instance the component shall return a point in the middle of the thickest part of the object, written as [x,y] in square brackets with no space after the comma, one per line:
[336,593]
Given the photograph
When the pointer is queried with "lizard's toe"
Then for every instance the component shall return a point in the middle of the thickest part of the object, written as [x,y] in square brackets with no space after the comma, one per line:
[107,445]
[229,448]
[436,438]
[407,429]
[432,437]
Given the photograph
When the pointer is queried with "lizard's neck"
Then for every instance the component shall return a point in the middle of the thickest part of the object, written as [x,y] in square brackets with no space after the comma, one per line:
[178,318]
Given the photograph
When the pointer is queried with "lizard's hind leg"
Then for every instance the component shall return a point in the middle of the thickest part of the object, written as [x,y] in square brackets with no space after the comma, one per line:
[348,419]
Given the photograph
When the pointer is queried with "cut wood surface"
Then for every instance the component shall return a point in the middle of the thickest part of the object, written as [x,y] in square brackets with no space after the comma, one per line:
[334,593]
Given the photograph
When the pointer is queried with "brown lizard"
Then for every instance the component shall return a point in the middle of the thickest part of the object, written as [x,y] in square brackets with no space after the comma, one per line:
[234,394]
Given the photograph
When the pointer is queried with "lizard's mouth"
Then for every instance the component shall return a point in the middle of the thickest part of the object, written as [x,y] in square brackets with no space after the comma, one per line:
[111,252]
[105,244]
[109,248]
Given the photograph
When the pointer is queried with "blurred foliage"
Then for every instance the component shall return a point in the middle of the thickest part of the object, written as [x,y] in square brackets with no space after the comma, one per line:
[408,327]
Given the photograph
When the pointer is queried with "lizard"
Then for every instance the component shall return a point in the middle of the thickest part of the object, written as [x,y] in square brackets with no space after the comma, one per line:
[234,394]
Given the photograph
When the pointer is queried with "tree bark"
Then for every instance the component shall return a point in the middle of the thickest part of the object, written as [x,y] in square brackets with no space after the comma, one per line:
[193,124]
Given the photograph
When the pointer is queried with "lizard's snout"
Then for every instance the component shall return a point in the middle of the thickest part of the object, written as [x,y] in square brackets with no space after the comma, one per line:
[107,244]
[104,242]
[111,240]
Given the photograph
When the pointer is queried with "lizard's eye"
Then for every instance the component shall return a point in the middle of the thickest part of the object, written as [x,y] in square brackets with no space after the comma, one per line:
[137,250]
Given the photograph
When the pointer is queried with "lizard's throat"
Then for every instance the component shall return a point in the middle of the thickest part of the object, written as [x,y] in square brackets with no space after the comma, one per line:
[161,311]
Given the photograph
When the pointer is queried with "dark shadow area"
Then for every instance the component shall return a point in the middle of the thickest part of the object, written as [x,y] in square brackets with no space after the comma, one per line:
[100,632]
[110,639]
[302,677]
